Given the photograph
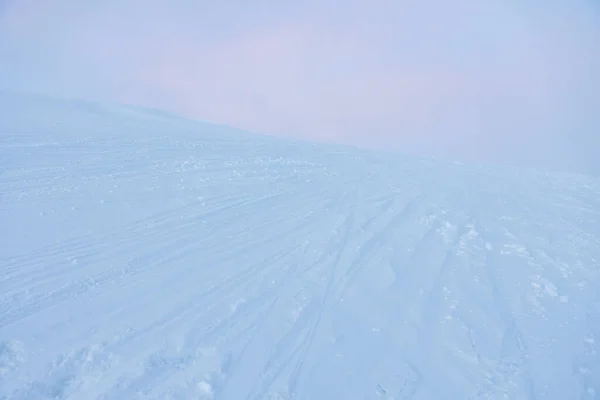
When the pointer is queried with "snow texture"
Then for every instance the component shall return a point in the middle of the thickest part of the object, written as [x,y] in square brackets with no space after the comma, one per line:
[147,257]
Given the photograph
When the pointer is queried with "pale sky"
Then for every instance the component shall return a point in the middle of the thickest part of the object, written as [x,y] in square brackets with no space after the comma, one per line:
[509,81]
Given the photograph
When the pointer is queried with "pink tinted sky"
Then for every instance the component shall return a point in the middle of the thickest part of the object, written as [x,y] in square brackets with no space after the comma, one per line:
[496,81]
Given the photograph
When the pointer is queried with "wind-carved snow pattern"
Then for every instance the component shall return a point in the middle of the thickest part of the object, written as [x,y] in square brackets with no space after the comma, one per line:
[179,264]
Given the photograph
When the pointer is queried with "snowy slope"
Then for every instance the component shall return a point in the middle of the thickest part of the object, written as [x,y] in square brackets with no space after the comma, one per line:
[145,257]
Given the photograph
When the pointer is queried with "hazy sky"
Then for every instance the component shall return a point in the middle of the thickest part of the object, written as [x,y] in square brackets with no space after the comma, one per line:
[498,80]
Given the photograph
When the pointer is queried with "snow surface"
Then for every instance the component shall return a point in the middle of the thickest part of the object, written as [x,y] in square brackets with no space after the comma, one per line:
[146,257]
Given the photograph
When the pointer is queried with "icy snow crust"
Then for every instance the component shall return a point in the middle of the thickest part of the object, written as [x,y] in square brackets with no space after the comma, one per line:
[145,257]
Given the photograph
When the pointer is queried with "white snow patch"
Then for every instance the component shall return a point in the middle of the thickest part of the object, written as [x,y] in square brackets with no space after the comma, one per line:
[205,389]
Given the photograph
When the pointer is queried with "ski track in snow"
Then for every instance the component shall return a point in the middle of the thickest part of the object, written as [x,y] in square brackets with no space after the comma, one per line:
[165,267]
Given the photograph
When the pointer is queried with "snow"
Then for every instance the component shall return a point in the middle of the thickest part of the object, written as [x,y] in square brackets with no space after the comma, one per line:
[146,257]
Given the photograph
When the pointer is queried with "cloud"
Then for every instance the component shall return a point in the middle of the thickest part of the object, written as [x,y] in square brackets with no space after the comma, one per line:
[510,82]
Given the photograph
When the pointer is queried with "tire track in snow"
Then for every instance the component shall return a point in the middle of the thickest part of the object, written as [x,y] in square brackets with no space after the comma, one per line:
[308,322]
[182,241]
[158,222]
[220,295]
[195,339]
[376,241]
[513,359]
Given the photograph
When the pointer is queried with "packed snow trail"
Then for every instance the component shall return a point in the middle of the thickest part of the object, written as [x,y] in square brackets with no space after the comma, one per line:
[157,263]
